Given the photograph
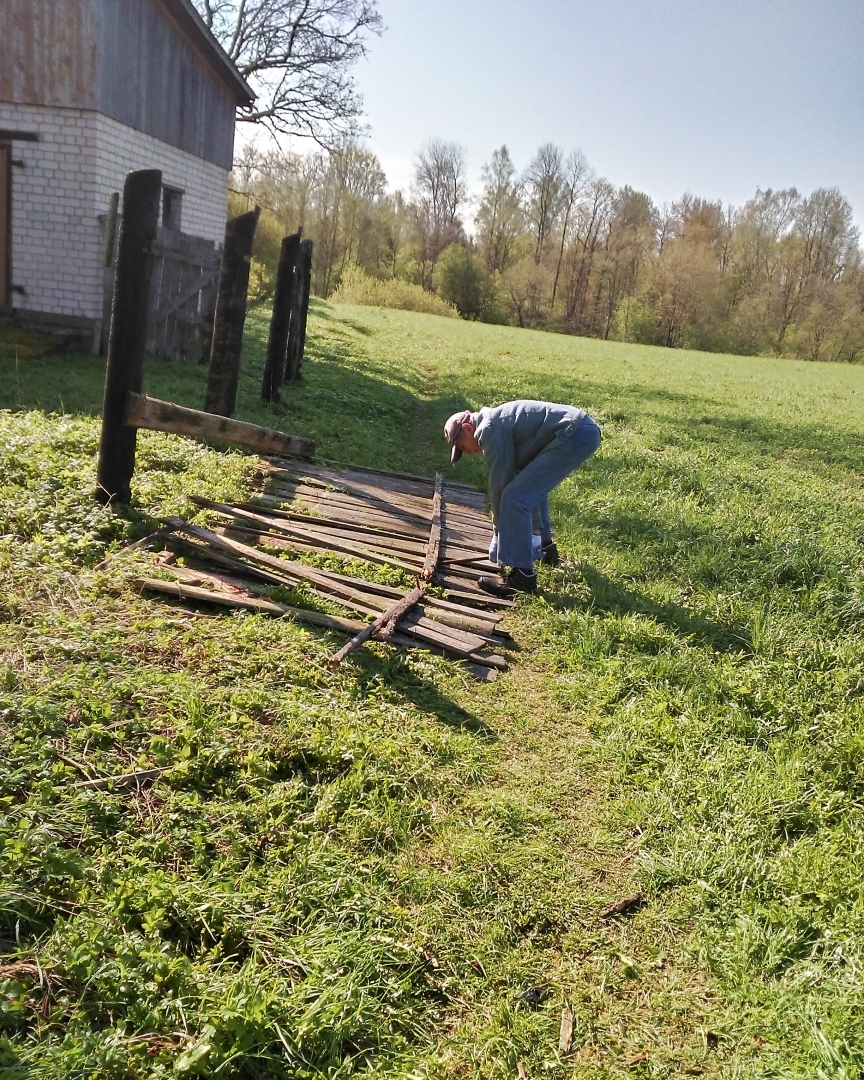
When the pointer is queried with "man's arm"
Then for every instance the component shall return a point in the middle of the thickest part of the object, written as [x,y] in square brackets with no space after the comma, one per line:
[497,446]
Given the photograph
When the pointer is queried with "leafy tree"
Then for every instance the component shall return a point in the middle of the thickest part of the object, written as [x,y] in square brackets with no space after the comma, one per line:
[459,280]
[500,218]
[544,184]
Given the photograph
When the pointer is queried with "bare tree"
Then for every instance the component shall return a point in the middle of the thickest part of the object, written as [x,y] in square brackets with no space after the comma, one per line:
[544,184]
[439,193]
[577,175]
[297,55]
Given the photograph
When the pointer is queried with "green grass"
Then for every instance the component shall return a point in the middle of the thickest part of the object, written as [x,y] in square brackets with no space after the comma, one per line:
[359,873]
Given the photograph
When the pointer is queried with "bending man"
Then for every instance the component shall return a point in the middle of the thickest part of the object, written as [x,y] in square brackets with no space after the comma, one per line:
[528,447]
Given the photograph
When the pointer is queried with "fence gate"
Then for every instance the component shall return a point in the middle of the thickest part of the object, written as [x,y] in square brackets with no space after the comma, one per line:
[182,296]
[183,285]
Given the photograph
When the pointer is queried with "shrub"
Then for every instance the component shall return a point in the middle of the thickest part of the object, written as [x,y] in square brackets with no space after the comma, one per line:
[357,287]
[458,279]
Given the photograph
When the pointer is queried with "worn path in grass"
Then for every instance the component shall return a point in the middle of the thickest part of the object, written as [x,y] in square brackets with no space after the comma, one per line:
[364,871]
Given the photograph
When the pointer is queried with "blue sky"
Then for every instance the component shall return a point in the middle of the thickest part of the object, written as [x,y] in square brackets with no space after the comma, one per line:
[716,97]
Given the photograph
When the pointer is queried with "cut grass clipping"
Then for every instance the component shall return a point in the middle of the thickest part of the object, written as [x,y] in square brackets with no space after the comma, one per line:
[651,826]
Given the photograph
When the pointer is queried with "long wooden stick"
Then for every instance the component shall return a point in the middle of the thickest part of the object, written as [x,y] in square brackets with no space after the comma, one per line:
[237,600]
[387,618]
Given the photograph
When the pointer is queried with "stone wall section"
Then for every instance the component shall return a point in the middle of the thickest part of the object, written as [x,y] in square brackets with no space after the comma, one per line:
[60,195]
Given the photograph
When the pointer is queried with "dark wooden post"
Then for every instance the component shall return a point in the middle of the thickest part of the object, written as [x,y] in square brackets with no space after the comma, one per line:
[277,345]
[297,336]
[230,314]
[142,196]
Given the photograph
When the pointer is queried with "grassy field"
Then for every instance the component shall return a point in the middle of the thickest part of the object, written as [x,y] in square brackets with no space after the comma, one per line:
[391,871]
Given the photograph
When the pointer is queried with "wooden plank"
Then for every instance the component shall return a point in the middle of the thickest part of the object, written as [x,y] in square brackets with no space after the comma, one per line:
[565,1036]
[457,641]
[5,225]
[358,550]
[252,603]
[314,540]
[398,475]
[110,228]
[384,624]
[489,617]
[147,412]
[182,296]
[358,511]
[433,548]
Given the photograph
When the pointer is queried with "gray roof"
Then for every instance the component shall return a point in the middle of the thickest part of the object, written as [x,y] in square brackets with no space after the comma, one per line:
[189,19]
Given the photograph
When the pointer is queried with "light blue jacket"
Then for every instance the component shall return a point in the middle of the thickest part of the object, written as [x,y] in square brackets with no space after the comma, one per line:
[513,434]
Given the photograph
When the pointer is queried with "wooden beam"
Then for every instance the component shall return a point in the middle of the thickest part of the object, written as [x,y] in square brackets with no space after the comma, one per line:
[125,367]
[230,314]
[147,412]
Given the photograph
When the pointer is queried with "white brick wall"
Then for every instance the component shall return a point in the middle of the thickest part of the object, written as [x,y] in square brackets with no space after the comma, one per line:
[56,239]
[64,186]
[120,149]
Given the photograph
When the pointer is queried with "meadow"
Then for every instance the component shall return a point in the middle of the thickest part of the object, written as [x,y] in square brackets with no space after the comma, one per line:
[392,871]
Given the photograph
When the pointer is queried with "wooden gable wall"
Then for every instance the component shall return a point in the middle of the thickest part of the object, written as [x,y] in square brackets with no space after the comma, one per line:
[48,52]
[127,59]
[154,79]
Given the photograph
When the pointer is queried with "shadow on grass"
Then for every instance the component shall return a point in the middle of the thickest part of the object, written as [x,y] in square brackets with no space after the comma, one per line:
[608,597]
[396,674]
[375,672]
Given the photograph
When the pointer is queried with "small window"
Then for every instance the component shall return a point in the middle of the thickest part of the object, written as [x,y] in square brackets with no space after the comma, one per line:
[172,207]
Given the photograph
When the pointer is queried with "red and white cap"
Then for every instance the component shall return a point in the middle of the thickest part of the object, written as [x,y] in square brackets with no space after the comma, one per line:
[452,429]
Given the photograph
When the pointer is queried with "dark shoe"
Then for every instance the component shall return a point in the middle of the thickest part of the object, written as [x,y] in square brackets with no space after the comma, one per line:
[550,554]
[506,587]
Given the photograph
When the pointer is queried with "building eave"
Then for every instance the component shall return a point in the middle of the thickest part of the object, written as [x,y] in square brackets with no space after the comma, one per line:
[188,18]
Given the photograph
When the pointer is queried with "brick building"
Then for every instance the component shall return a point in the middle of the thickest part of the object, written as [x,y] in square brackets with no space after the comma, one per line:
[90,90]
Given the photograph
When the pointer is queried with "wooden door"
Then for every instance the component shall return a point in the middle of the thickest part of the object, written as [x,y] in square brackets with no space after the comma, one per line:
[5,224]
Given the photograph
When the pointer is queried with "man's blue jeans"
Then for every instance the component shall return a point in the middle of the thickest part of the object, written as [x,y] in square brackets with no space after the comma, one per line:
[525,500]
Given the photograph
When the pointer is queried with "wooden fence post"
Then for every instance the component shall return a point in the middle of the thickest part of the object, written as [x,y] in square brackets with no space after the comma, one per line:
[280,323]
[142,196]
[300,309]
[230,314]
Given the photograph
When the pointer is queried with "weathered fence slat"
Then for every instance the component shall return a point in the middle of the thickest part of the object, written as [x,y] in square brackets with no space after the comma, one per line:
[230,314]
[183,297]
[142,194]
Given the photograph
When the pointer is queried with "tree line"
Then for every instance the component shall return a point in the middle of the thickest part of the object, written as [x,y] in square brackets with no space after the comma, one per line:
[556,247]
